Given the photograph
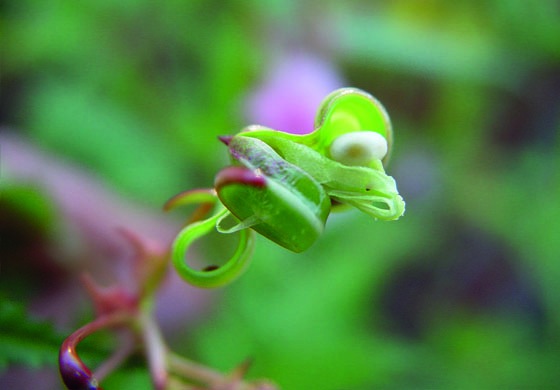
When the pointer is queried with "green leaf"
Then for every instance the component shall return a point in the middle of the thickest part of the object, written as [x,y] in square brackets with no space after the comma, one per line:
[30,342]
[24,340]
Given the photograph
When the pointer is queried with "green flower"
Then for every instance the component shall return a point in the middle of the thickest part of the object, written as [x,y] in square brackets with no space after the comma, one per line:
[284,186]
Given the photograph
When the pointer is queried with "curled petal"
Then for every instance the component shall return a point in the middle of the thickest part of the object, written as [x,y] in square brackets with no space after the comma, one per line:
[348,110]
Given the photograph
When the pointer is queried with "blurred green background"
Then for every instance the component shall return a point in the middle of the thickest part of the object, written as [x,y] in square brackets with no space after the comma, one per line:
[460,293]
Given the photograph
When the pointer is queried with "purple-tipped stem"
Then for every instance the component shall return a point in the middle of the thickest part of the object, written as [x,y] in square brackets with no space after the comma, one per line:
[226,139]
[75,374]
[239,175]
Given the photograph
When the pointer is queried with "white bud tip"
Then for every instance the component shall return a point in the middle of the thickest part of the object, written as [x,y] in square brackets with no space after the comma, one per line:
[359,148]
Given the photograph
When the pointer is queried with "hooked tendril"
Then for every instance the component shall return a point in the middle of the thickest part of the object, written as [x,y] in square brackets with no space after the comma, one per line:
[218,276]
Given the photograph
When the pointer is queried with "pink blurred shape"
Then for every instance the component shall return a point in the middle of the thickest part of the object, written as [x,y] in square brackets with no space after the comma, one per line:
[288,98]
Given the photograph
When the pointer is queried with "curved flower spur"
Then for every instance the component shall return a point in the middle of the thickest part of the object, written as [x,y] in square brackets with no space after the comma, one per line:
[283,186]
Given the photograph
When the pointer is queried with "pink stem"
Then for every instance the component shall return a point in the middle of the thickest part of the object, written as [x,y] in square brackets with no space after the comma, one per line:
[156,352]
[117,358]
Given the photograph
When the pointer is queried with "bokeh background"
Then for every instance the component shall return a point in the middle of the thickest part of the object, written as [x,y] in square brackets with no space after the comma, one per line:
[108,108]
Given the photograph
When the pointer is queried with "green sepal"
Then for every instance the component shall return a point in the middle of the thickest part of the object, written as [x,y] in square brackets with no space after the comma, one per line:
[291,205]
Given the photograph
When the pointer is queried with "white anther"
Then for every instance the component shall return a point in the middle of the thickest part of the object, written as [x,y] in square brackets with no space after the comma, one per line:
[359,148]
